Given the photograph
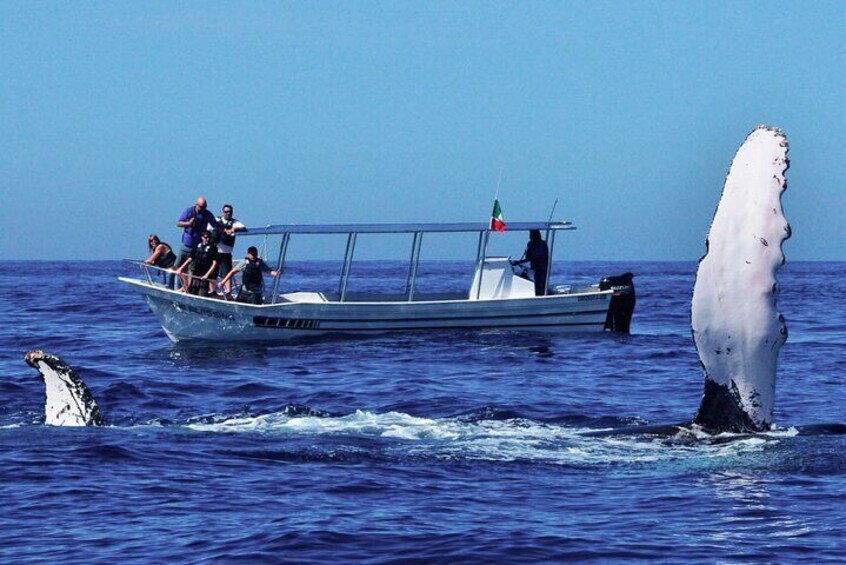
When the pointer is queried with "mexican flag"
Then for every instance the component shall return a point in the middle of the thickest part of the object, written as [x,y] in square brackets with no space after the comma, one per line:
[497,223]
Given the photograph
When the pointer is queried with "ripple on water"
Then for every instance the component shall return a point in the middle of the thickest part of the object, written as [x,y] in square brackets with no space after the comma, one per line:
[450,446]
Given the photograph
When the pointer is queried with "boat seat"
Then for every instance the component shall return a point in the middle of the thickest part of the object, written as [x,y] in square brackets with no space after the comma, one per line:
[301,296]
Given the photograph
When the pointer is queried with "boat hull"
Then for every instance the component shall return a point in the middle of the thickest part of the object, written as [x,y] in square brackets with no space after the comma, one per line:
[191,318]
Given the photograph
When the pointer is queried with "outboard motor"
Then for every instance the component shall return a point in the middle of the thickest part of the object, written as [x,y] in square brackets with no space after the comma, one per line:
[622,306]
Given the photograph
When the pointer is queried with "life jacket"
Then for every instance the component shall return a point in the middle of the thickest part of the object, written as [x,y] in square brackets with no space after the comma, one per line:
[222,236]
[202,257]
[252,276]
[166,260]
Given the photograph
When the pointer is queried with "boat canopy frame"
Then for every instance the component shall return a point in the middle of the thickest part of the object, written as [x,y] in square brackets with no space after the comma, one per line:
[353,230]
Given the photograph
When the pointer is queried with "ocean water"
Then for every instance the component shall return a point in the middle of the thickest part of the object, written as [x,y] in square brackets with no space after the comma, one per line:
[443,447]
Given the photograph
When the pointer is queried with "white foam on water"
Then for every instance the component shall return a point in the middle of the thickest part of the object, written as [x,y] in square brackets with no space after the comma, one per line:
[494,440]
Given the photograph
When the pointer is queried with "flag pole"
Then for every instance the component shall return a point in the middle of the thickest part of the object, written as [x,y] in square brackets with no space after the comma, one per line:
[551,245]
[487,234]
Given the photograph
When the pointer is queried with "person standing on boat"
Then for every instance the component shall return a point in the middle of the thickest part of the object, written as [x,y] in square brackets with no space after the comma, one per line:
[194,220]
[252,268]
[161,256]
[203,263]
[227,227]
[537,255]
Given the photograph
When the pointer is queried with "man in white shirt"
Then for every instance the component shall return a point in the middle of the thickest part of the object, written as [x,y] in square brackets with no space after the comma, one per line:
[227,228]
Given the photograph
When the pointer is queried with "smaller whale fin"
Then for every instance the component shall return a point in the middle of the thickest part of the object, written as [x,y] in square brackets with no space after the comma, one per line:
[69,402]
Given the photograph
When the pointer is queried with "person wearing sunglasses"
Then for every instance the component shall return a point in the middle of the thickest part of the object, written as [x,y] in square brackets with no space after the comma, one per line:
[227,228]
[161,254]
[202,264]
[194,220]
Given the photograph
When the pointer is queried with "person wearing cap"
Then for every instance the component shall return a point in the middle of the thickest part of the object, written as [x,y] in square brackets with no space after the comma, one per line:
[194,220]
[202,264]
[537,255]
[252,268]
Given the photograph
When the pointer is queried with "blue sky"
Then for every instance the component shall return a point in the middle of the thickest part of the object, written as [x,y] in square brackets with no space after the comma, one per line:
[117,115]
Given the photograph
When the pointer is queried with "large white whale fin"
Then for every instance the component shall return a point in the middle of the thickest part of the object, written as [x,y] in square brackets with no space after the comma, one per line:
[737,330]
[69,402]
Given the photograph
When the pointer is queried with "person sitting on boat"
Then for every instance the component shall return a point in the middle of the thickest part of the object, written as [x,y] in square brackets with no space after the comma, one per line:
[537,255]
[194,220]
[225,235]
[252,268]
[203,264]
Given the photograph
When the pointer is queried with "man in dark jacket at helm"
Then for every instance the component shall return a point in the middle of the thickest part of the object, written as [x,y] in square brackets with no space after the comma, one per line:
[537,255]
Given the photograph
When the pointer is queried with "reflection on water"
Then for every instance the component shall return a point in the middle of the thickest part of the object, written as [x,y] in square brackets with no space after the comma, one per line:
[450,446]
[751,518]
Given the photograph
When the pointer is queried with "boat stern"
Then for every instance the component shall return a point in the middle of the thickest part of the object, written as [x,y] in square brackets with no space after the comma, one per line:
[623,300]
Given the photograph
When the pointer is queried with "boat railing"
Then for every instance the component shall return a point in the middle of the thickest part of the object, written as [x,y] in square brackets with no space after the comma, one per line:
[353,230]
[150,271]
[171,278]
[416,230]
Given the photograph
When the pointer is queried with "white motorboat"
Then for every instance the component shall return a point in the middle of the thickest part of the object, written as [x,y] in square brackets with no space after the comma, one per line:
[497,298]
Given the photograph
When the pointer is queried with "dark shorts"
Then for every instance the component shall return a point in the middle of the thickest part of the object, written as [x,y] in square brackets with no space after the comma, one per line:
[198,287]
[197,270]
[224,261]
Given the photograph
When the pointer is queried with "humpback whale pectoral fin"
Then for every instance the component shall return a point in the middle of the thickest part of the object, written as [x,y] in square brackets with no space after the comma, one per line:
[33,357]
[735,325]
[68,401]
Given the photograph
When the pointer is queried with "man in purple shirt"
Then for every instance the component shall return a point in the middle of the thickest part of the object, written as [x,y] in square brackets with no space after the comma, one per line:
[194,220]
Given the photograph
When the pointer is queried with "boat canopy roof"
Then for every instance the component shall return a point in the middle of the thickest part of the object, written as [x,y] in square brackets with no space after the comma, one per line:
[402,228]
